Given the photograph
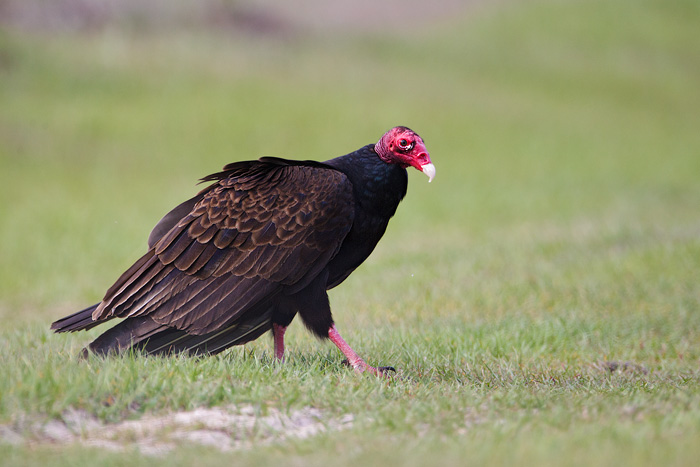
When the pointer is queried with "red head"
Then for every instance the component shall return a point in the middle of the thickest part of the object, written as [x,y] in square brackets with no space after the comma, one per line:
[403,146]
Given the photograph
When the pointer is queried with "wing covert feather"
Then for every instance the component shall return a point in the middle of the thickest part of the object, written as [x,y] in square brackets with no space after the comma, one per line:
[258,218]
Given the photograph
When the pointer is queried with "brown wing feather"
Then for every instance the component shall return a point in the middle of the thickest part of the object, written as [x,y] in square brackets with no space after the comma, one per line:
[263,227]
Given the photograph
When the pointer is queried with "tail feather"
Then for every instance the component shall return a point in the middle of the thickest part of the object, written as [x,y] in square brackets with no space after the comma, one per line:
[77,321]
[143,333]
[128,333]
[172,340]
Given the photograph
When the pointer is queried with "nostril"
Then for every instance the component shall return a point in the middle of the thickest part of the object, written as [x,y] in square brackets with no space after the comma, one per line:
[423,158]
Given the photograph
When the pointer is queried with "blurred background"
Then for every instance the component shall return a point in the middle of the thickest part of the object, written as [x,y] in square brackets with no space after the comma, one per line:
[565,136]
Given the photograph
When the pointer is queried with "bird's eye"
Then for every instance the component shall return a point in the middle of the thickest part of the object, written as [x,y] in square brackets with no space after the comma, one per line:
[404,144]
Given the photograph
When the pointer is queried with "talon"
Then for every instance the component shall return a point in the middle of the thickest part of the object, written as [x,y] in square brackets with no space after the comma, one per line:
[378,371]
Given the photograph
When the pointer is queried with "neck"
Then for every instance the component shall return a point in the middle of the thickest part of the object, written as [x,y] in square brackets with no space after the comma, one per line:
[378,185]
[382,151]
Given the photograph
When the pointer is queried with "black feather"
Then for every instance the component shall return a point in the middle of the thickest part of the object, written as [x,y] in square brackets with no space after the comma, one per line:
[81,320]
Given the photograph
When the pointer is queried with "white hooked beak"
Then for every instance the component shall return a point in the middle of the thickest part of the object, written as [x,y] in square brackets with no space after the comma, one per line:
[429,170]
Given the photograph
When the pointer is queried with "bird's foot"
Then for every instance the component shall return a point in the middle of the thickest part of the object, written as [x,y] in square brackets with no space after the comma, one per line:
[354,360]
[362,366]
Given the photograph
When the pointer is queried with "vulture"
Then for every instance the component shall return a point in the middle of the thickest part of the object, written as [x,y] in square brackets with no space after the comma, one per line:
[264,241]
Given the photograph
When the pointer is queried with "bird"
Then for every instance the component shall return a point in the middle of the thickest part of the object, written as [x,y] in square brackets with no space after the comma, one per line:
[263,242]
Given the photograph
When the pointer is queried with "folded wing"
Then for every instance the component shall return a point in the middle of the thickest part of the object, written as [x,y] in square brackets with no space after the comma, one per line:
[263,228]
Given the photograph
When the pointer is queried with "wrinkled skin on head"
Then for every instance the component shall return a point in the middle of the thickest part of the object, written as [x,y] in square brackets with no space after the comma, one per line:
[403,146]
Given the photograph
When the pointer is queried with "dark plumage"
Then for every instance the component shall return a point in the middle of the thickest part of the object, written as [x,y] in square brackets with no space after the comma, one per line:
[260,244]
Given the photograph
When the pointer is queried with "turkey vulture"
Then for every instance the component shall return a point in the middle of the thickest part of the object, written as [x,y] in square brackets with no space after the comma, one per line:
[263,242]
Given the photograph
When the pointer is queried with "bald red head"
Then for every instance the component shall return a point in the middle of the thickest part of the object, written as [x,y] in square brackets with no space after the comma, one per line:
[403,146]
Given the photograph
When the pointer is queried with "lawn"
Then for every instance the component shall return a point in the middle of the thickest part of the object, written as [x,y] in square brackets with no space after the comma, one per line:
[540,299]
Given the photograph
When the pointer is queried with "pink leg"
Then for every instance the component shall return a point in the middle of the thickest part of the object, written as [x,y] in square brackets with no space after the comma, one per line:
[353,359]
[278,337]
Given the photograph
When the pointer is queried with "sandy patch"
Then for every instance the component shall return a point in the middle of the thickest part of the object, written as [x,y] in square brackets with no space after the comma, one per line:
[223,428]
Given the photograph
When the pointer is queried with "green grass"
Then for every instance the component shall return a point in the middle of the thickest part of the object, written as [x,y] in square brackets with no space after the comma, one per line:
[562,231]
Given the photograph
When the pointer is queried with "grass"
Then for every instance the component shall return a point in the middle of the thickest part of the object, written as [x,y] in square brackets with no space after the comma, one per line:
[562,231]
